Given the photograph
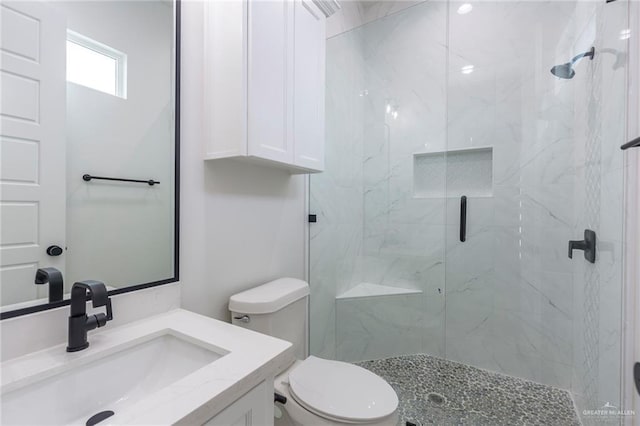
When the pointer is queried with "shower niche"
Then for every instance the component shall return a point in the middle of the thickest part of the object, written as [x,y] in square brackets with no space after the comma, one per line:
[467,171]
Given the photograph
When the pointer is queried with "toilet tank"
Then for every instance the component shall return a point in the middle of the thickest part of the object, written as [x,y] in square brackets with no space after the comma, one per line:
[278,308]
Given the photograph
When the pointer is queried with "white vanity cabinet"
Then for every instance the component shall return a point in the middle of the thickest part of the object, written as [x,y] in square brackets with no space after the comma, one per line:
[255,408]
[264,83]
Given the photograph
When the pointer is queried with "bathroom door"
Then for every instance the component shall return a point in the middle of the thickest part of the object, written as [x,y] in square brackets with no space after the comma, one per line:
[32,114]
[516,304]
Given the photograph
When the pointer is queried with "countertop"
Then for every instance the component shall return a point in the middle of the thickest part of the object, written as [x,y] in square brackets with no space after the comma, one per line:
[248,359]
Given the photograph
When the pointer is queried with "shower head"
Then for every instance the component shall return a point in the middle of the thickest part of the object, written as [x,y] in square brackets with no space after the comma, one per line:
[563,71]
[566,71]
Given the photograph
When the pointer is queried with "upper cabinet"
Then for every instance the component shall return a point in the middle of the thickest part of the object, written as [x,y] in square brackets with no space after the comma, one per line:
[264,83]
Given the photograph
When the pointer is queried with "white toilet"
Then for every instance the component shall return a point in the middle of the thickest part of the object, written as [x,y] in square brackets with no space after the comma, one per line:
[318,391]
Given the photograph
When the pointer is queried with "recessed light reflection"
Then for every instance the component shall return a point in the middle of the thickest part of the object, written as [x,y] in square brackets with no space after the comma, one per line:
[465,8]
[625,34]
[467,69]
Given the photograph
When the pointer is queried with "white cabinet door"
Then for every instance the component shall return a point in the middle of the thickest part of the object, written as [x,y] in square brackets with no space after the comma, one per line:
[270,77]
[32,144]
[253,409]
[264,82]
[225,79]
[309,85]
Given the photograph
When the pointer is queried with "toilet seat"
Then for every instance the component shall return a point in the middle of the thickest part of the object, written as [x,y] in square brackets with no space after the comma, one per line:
[340,391]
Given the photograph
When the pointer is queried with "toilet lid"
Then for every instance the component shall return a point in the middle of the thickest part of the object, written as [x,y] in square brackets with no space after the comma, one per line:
[342,391]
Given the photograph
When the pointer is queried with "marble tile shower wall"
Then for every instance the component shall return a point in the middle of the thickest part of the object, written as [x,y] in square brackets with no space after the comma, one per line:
[353,14]
[600,129]
[515,303]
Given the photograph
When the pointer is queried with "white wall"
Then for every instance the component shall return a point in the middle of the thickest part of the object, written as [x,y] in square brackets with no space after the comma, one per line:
[241,225]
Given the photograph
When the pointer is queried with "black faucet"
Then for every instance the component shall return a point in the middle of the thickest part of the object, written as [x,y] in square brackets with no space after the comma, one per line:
[54,278]
[79,321]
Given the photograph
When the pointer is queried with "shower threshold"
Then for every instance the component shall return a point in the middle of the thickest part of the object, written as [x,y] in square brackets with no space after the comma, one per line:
[434,391]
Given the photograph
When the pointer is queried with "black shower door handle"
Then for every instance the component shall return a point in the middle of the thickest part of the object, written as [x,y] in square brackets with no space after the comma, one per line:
[463,218]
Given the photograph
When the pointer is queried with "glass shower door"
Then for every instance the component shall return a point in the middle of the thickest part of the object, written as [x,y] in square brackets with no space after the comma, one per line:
[377,248]
[451,104]
[538,160]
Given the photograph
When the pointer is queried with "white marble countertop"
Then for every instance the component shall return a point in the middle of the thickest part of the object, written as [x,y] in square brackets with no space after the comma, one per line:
[249,358]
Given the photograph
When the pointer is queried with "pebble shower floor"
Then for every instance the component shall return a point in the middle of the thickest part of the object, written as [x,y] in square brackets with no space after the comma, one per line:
[434,391]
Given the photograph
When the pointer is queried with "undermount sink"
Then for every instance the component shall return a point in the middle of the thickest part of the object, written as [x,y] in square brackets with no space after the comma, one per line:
[110,381]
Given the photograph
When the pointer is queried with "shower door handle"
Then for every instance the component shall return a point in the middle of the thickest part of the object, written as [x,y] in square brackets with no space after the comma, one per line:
[463,218]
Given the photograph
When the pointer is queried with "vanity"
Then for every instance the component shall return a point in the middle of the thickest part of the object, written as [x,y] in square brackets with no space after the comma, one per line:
[174,368]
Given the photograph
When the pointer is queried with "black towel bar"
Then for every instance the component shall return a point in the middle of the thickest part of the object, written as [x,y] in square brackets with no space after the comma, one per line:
[149,182]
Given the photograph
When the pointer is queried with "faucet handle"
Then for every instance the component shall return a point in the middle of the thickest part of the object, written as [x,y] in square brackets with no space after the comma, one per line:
[109,312]
[101,319]
[576,245]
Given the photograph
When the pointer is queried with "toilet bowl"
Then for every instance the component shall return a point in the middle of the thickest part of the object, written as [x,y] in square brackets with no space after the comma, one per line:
[317,391]
[324,392]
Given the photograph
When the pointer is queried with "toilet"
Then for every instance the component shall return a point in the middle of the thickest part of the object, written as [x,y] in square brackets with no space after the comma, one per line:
[317,391]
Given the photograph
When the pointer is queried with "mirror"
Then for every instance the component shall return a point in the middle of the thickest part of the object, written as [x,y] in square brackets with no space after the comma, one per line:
[89,148]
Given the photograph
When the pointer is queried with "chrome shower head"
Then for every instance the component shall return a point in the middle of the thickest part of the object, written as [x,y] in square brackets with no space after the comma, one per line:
[566,71]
